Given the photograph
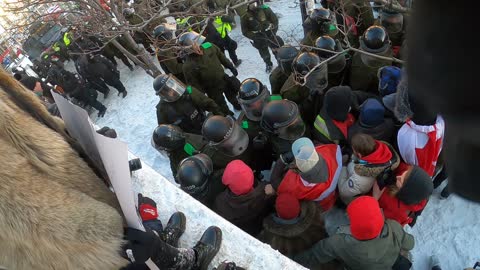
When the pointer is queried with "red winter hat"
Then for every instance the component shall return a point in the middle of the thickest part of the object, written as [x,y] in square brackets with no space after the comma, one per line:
[287,206]
[238,177]
[366,218]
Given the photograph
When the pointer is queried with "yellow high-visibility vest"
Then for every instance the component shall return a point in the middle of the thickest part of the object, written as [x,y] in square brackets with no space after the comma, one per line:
[222,27]
[66,39]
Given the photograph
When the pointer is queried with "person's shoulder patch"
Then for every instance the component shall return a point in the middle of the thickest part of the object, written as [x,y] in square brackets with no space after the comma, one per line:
[189,89]
[189,149]
[265,6]
[206,45]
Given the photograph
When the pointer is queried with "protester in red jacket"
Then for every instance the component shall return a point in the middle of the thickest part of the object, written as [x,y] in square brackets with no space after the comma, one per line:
[405,195]
[316,174]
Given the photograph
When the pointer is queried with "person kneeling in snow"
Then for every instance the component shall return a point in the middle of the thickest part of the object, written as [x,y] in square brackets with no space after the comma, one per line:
[372,158]
[369,242]
[246,201]
[316,174]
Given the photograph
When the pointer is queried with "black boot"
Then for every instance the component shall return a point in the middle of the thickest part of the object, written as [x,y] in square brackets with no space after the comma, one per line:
[102,111]
[105,93]
[174,229]
[440,177]
[123,93]
[207,247]
[237,63]
[269,67]
[445,193]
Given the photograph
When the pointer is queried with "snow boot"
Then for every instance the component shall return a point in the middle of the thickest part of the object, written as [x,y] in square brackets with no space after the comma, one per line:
[174,229]
[439,178]
[130,67]
[123,93]
[228,266]
[102,111]
[434,263]
[207,247]
[269,67]
[237,63]
[445,193]
[105,94]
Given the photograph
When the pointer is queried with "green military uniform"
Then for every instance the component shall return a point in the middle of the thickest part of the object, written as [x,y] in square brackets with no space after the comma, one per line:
[139,36]
[377,254]
[193,144]
[183,114]
[169,62]
[363,77]
[316,32]
[277,80]
[360,12]
[215,187]
[206,73]
[293,91]
[261,27]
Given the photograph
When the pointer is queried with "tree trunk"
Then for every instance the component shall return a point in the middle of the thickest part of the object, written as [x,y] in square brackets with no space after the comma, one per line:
[141,58]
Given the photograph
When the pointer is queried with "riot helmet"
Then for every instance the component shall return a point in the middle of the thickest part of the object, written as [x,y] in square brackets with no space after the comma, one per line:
[193,174]
[392,21]
[326,20]
[309,71]
[253,96]
[335,65]
[167,138]
[189,38]
[253,6]
[168,87]
[285,56]
[162,31]
[282,118]
[320,15]
[225,134]
[375,40]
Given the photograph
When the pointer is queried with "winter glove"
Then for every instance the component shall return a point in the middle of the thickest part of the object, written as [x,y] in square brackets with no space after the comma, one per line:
[234,71]
[142,246]
[287,158]
[386,178]
[149,213]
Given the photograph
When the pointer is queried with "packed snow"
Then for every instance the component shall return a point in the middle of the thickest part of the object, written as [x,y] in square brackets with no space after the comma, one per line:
[447,228]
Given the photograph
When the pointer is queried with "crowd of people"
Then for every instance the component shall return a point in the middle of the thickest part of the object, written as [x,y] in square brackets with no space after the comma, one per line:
[337,131]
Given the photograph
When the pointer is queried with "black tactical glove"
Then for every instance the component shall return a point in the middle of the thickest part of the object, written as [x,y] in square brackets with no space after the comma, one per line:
[234,71]
[141,246]
[149,214]
[107,132]
[287,158]
[386,178]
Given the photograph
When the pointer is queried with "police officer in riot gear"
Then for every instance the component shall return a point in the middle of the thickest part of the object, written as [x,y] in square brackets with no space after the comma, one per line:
[283,125]
[393,22]
[197,177]
[280,74]
[320,22]
[226,141]
[204,69]
[182,105]
[172,142]
[336,66]
[166,55]
[363,72]
[260,25]
[253,96]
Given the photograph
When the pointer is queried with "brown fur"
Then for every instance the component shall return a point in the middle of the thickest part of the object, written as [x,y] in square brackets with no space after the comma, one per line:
[55,213]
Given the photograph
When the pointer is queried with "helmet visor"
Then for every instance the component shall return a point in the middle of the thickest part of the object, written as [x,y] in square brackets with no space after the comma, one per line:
[293,130]
[285,65]
[235,141]
[393,23]
[253,107]
[172,90]
[161,150]
[317,80]
[337,64]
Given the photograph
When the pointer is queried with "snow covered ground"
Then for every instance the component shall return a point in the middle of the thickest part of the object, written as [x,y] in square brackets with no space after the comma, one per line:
[448,228]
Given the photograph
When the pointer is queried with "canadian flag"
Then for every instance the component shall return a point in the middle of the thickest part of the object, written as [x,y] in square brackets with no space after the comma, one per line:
[421,145]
